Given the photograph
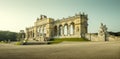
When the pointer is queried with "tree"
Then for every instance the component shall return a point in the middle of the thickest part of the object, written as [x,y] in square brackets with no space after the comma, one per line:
[7,35]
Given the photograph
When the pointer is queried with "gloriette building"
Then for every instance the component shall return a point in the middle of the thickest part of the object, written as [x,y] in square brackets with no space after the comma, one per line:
[45,28]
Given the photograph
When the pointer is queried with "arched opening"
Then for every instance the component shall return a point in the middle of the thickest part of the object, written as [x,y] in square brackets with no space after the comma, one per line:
[41,30]
[38,31]
[60,30]
[33,34]
[71,28]
[66,29]
[55,30]
[44,30]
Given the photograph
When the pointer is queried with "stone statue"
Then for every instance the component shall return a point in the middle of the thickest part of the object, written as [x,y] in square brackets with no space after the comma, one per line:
[43,16]
[103,32]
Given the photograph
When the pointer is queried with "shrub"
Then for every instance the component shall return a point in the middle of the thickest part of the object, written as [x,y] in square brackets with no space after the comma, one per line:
[2,42]
[18,43]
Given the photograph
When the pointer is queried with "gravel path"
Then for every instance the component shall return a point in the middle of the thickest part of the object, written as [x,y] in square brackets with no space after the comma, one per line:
[65,50]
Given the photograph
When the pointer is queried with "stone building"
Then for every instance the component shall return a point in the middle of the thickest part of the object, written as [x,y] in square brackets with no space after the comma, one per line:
[45,28]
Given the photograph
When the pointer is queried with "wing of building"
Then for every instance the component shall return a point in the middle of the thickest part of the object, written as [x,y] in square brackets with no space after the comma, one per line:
[46,28]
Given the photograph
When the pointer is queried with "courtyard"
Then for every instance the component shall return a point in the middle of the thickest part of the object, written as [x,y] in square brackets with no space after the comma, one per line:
[64,50]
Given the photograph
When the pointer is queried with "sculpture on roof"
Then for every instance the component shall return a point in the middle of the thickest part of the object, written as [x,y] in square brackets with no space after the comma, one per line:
[43,16]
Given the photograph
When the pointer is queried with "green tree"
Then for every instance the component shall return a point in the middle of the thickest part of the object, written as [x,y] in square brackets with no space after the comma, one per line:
[7,35]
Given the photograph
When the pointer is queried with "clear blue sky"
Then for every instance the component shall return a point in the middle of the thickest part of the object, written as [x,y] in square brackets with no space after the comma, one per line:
[19,14]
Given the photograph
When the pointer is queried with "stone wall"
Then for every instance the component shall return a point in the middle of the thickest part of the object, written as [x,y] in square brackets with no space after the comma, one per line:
[93,37]
[114,38]
[102,35]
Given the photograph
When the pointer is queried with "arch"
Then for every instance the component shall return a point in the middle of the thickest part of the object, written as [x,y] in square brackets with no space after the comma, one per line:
[44,30]
[72,28]
[33,34]
[55,30]
[60,30]
[41,31]
[30,33]
[66,29]
[38,29]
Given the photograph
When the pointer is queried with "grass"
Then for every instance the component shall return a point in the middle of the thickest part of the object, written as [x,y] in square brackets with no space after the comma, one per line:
[59,40]
[18,43]
[21,42]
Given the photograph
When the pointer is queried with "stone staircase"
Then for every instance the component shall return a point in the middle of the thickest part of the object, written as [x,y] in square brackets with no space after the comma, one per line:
[35,41]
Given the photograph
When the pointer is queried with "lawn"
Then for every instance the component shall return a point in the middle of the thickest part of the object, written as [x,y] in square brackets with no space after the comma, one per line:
[59,40]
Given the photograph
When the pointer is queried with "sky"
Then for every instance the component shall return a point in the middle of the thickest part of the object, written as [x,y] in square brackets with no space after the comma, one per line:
[16,15]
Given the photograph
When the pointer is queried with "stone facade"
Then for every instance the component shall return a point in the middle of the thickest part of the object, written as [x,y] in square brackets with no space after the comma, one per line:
[45,28]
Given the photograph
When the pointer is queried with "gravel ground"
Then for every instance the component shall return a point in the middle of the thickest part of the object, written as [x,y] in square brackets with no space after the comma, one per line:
[65,50]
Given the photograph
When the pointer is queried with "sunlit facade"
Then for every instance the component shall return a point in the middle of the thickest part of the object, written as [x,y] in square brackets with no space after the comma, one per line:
[71,27]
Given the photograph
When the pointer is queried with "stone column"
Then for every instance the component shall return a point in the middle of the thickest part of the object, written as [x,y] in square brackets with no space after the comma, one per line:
[26,34]
[61,31]
[31,34]
[42,30]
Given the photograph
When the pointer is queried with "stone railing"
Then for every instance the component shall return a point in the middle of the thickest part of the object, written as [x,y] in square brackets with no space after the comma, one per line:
[93,37]
[114,38]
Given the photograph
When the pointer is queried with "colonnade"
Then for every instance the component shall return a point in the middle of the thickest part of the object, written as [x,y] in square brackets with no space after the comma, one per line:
[41,30]
[64,30]
[30,34]
[60,30]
